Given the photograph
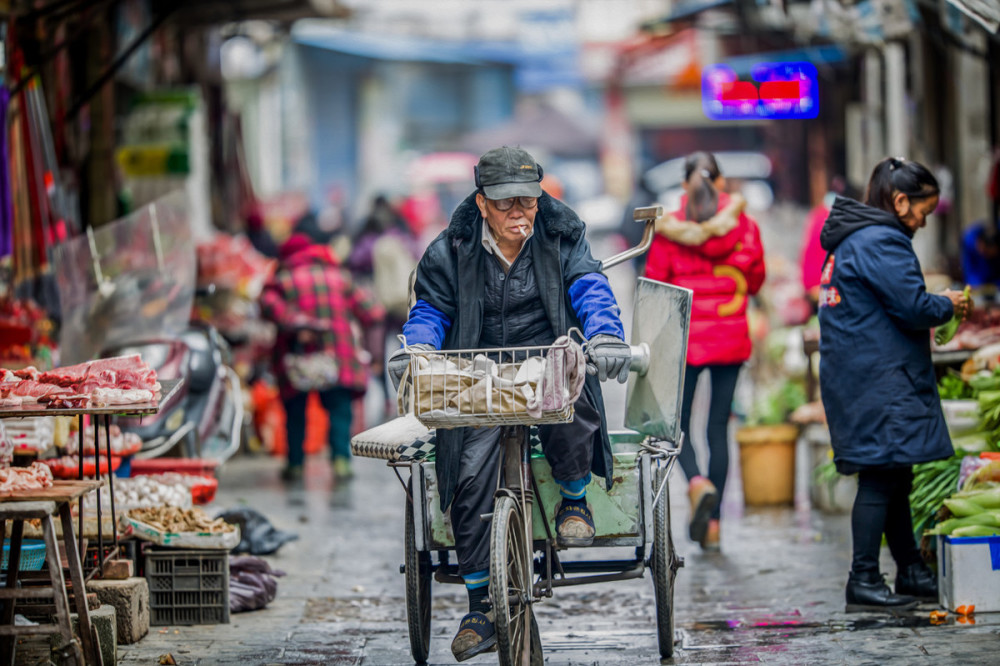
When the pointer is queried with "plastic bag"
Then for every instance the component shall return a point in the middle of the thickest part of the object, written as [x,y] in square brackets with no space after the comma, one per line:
[251,583]
[257,535]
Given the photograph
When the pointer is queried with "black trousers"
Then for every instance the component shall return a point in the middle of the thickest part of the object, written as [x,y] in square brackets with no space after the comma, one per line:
[723,379]
[883,506]
[568,448]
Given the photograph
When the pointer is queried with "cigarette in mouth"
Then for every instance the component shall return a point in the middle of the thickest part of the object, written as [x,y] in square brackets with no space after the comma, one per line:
[523,232]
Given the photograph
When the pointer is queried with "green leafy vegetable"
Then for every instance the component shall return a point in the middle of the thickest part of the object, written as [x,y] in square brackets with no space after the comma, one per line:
[945,333]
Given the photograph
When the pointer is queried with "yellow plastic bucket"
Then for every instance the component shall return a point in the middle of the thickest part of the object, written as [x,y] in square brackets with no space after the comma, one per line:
[767,463]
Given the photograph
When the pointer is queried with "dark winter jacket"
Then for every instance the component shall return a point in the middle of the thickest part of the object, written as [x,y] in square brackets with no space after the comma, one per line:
[451,289]
[876,375]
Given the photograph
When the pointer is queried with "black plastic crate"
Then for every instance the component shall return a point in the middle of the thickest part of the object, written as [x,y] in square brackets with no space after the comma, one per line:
[128,549]
[188,586]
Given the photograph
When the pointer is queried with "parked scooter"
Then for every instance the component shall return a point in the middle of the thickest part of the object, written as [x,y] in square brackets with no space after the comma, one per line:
[204,419]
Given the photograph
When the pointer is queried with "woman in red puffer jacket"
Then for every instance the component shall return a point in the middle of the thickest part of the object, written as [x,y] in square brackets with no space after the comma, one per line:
[712,248]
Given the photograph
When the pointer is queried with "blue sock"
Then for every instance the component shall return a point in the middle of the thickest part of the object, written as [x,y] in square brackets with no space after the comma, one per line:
[574,492]
[477,584]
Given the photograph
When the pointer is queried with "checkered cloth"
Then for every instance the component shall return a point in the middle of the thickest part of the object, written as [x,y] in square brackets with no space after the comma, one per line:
[405,438]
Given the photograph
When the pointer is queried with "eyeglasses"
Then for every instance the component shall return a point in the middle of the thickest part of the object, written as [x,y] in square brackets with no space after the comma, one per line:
[526,203]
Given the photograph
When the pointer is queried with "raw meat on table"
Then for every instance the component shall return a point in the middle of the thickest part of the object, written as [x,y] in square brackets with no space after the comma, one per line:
[124,380]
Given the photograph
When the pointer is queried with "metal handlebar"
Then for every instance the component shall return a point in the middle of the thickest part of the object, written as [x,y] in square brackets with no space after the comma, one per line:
[640,359]
[648,214]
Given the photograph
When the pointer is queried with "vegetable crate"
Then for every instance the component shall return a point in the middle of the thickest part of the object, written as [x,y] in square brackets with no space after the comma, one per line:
[188,586]
[969,572]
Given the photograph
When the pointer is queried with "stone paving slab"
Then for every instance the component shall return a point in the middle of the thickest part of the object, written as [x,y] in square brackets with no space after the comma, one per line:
[773,596]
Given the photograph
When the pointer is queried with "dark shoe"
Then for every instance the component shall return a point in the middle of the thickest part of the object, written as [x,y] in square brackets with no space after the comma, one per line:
[574,525]
[917,580]
[868,592]
[712,537]
[342,469]
[476,634]
[292,473]
[704,497]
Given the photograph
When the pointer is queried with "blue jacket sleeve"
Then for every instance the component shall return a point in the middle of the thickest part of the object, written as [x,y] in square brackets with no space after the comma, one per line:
[893,273]
[595,306]
[426,325]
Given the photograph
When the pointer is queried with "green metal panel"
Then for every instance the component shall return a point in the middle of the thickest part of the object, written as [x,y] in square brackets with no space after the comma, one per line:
[617,513]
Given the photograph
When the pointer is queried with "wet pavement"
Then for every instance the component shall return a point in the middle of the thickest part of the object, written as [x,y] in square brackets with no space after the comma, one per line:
[773,595]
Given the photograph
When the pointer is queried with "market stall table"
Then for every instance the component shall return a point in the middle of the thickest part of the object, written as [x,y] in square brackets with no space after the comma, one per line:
[43,503]
[169,389]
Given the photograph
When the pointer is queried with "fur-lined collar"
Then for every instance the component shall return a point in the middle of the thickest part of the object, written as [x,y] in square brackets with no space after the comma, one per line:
[553,215]
[686,232]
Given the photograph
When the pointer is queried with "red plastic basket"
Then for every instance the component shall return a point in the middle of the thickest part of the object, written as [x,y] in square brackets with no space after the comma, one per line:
[203,493]
[72,471]
[196,466]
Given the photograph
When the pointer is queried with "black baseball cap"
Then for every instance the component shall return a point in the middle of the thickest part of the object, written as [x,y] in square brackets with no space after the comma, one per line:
[508,172]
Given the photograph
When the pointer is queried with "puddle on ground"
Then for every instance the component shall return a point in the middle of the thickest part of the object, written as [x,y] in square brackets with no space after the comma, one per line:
[811,628]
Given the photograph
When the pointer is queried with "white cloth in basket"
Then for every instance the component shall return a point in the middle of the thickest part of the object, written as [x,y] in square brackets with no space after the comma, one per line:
[563,374]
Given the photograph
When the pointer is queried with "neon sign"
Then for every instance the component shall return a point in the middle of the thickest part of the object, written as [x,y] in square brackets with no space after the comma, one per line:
[778,90]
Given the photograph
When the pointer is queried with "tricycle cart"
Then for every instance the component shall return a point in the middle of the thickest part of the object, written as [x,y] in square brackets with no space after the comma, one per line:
[503,387]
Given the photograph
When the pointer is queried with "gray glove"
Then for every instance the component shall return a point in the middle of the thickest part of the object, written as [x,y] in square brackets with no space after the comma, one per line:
[399,361]
[609,357]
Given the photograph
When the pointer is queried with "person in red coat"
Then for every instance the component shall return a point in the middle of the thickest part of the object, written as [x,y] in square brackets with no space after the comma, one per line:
[712,248]
[314,302]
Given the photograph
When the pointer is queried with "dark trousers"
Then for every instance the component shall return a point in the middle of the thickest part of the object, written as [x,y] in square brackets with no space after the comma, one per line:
[883,506]
[568,448]
[723,378]
[337,403]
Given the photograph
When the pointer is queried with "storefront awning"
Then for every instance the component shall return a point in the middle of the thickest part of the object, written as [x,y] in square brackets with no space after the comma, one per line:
[984,12]
[211,12]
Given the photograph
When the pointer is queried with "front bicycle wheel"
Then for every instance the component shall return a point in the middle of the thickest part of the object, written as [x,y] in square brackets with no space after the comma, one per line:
[511,572]
[664,562]
[417,569]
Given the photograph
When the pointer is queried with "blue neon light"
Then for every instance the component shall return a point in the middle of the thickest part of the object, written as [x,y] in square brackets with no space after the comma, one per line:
[778,90]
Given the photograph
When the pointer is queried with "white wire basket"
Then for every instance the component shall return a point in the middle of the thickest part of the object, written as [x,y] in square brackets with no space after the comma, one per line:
[500,386]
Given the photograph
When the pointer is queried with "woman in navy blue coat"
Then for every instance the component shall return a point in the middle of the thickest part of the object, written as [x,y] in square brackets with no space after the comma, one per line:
[876,375]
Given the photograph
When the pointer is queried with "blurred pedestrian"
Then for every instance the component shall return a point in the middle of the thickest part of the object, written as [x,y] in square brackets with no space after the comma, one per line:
[876,376]
[713,248]
[981,241]
[812,255]
[384,254]
[981,254]
[313,302]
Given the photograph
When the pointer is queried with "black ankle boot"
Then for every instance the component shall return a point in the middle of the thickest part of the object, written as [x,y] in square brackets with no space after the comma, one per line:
[868,592]
[917,580]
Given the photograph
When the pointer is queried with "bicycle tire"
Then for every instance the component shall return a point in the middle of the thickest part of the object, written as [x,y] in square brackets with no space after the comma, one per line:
[417,570]
[664,567]
[511,571]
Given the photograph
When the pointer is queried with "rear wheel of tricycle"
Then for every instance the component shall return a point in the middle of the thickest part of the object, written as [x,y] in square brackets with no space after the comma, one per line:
[664,571]
[511,572]
[418,591]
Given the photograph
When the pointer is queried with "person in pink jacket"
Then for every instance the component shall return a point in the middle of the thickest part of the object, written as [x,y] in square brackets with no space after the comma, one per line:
[712,248]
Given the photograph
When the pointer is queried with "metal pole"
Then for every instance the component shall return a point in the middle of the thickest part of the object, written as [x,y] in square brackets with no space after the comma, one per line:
[111,487]
[875,143]
[79,452]
[896,130]
[97,475]
[992,55]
